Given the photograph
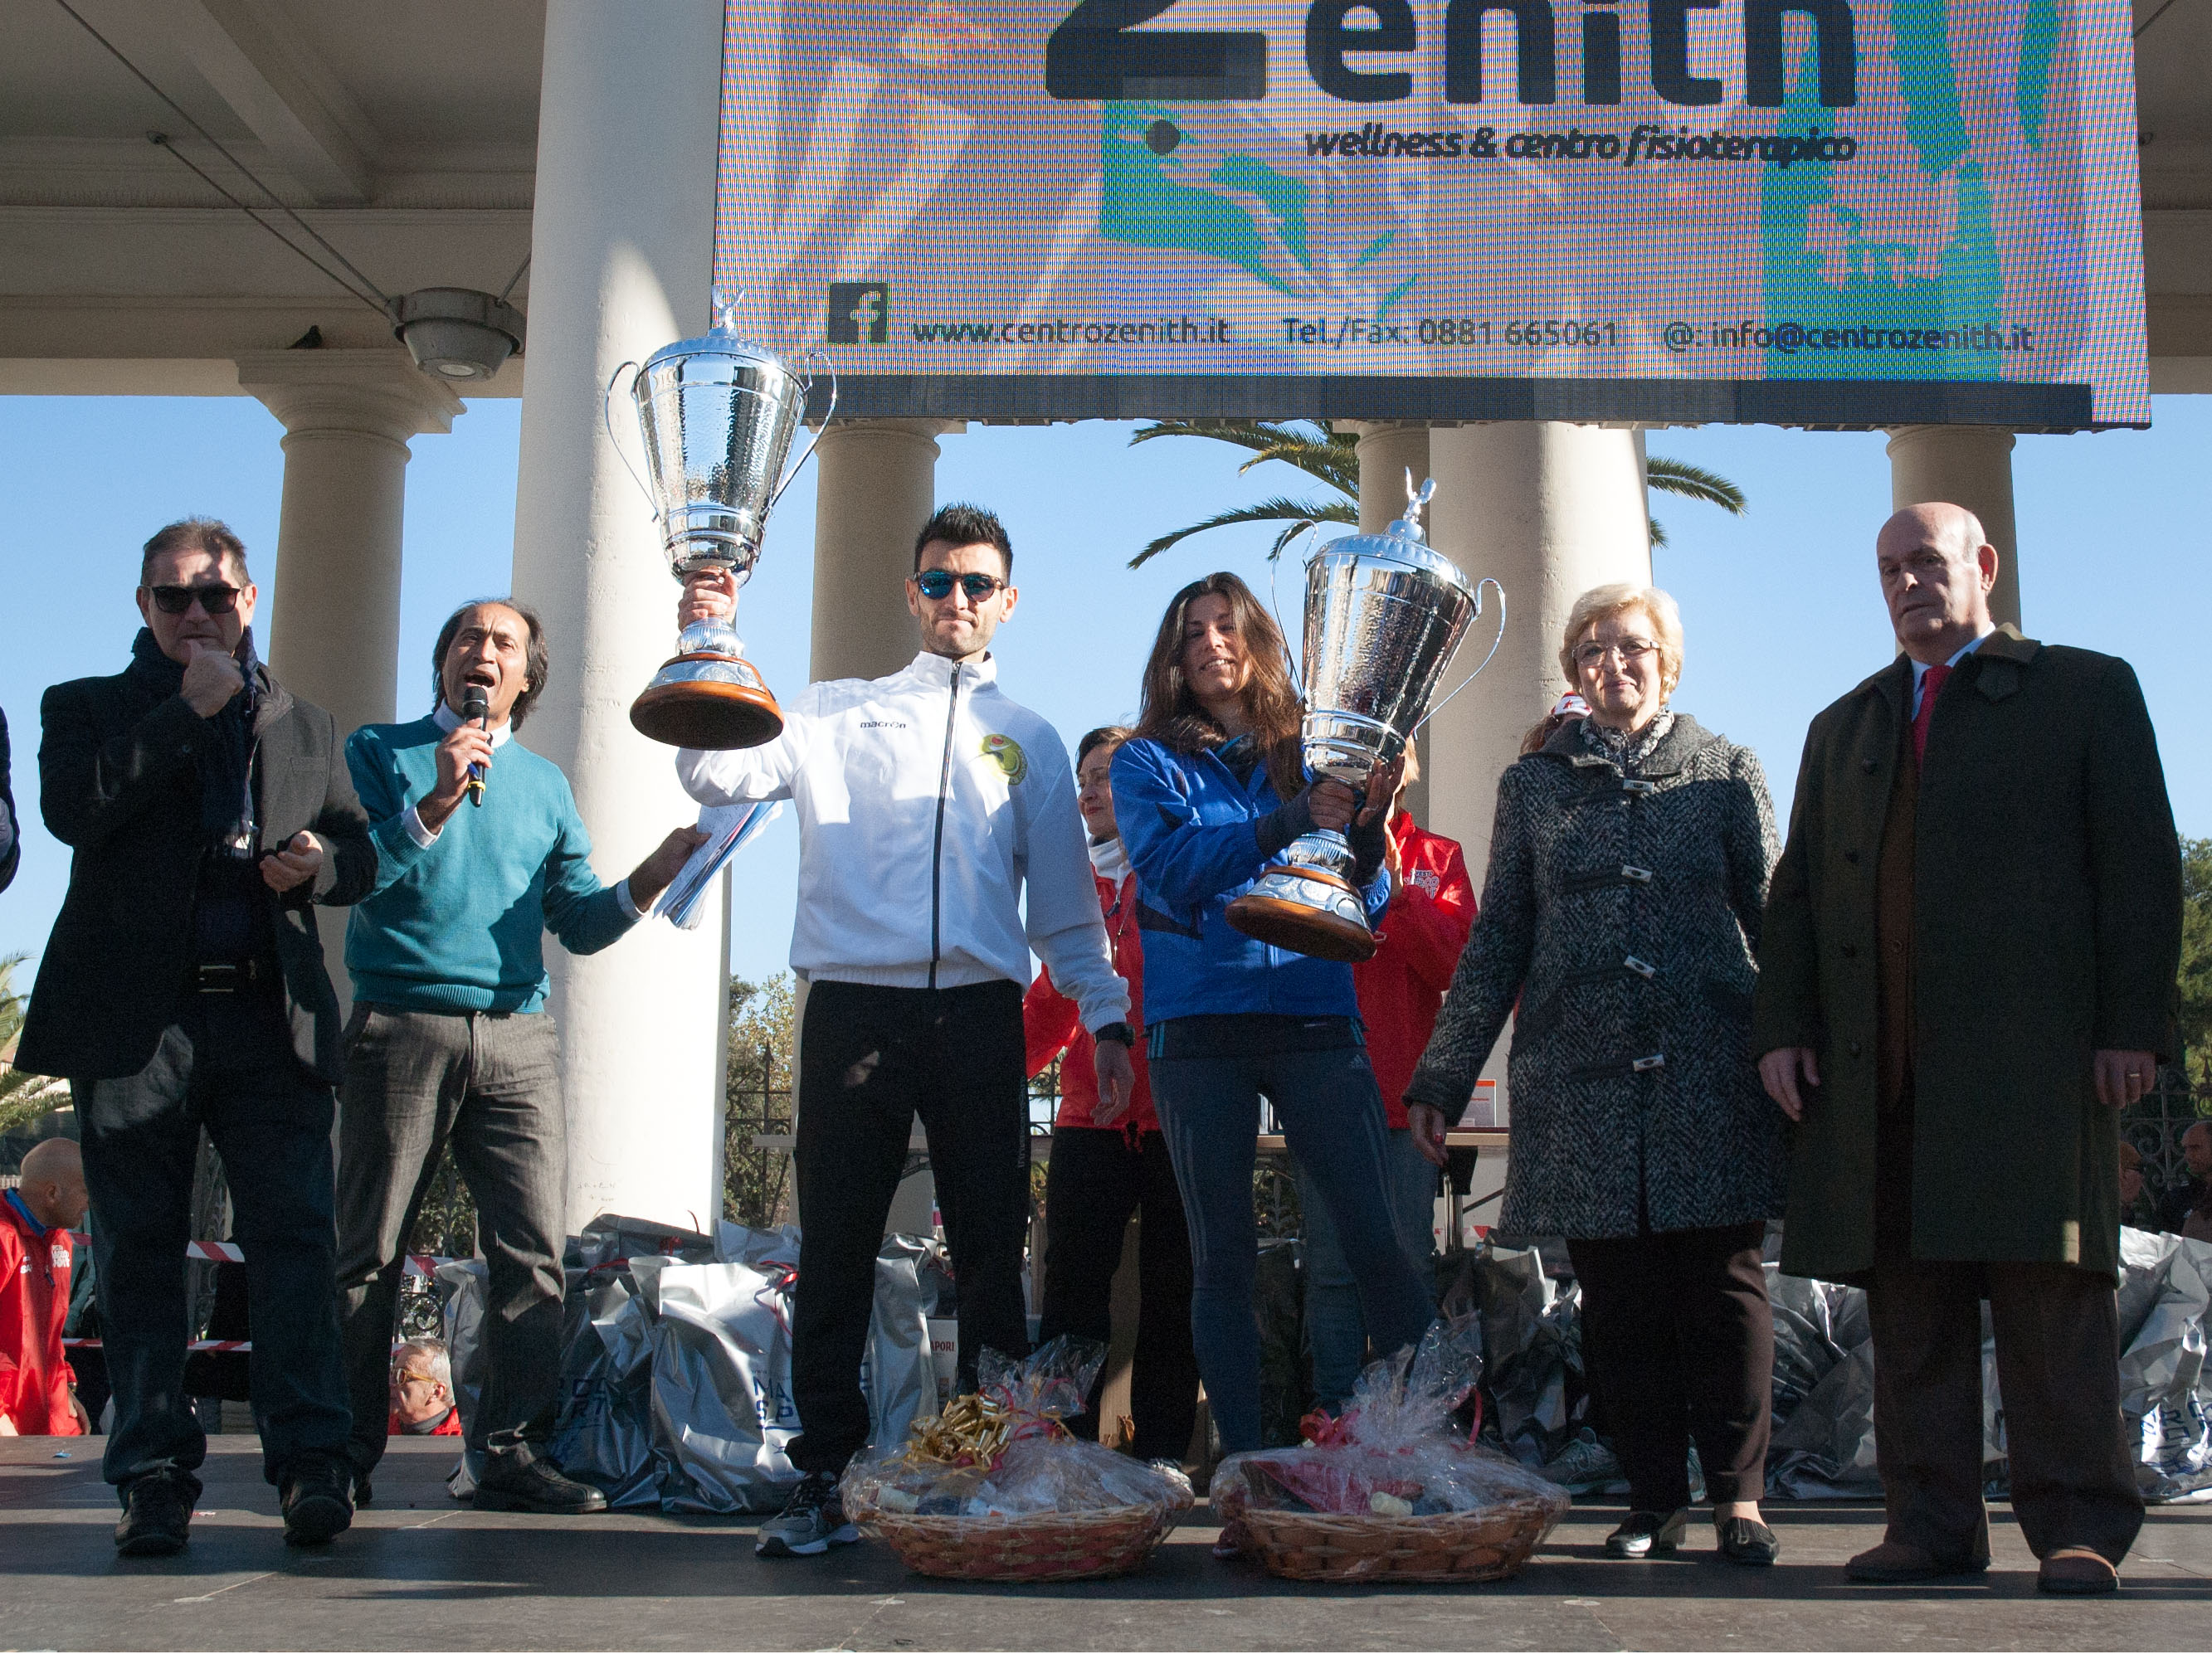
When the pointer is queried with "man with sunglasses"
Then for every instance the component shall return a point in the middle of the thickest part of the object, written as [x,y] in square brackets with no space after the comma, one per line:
[183,987]
[926,801]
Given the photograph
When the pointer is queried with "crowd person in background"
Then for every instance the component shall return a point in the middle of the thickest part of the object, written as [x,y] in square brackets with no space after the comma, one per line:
[2138,1204]
[1209,790]
[183,987]
[1566,711]
[2190,1203]
[449,1045]
[1398,990]
[928,801]
[38,1389]
[422,1390]
[1977,921]
[1621,912]
[11,845]
[1107,1166]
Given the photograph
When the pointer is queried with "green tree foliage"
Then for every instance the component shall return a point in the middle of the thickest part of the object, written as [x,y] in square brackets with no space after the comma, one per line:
[2195,980]
[23,1095]
[757,1101]
[1332,459]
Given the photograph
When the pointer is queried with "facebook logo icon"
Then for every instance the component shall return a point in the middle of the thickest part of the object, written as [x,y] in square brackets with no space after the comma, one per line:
[860,313]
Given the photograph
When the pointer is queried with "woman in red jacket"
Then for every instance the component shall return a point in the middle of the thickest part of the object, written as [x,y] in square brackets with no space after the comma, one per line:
[1102,1170]
[1400,989]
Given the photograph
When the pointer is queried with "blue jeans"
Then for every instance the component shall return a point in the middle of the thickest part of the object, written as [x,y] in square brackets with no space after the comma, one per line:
[1332,1114]
[1338,1334]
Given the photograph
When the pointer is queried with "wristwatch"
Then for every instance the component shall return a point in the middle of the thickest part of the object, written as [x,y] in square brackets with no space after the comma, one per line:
[1119,1031]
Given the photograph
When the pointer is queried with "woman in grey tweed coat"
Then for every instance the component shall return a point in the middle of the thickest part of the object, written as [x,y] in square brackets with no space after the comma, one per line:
[1628,870]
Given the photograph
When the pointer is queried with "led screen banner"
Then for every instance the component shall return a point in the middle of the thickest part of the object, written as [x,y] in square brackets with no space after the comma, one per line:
[1833,212]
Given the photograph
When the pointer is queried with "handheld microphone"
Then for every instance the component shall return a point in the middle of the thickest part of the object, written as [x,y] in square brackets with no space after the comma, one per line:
[477,707]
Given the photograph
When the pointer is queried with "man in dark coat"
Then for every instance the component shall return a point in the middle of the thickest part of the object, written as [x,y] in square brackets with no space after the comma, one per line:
[210,810]
[1967,972]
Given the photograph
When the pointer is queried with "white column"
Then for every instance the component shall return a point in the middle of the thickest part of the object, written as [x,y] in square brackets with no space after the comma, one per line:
[1388,450]
[875,486]
[333,630]
[1970,466]
[1549,510]
[620,250]
[333,634]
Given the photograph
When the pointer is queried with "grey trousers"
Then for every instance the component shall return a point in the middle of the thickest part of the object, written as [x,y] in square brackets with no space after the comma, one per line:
[491,1085]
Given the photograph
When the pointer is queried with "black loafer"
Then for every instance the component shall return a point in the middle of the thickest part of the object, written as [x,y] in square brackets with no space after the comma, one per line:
[316,1507]
[1646,1532]
[1751,1542]
[523,1480]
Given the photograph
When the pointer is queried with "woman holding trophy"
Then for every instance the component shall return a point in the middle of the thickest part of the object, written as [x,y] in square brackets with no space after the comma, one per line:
[1211,790]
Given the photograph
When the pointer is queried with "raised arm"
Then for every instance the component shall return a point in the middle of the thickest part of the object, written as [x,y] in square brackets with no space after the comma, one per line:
[90,787]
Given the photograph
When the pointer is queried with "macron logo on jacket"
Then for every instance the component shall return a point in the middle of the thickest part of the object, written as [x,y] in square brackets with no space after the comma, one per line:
[929,800]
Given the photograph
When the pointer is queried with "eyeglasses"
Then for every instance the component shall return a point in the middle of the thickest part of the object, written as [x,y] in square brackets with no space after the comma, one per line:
[938,584]
[216,599]
[1590,654]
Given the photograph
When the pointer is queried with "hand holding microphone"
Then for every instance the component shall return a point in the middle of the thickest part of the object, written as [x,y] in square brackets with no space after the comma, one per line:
[476,709]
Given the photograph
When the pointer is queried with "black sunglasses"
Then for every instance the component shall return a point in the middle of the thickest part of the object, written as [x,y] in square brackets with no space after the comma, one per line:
[938,584]
[217,600]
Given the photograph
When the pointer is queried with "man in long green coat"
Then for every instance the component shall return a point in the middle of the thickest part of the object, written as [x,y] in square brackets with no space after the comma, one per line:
[1967,971]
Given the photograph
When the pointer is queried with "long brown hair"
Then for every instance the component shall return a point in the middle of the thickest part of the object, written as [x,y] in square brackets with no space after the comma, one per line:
[1169,712]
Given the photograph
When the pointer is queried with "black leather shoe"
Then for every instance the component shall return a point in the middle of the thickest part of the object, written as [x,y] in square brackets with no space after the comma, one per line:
[1646,1532]
[527,1481]
[1751,1542]
[157,1515]
[313,1495]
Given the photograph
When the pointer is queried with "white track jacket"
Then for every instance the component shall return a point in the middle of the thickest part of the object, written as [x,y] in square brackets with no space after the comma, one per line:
[925,799]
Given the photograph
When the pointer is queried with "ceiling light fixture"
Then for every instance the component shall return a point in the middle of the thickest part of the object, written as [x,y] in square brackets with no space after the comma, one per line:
[457,333]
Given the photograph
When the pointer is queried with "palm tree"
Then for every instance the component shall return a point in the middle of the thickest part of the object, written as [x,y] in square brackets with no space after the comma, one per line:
[22,1096]
[1332,459]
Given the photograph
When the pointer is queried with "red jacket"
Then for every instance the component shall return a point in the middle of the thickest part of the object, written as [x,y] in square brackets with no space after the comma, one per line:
[1403,985]
[449,1423]
[35,1378]
[1051,1021]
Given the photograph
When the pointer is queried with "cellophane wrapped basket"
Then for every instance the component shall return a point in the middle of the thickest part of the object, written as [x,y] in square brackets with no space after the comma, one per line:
[1390,1490]
[994,1487]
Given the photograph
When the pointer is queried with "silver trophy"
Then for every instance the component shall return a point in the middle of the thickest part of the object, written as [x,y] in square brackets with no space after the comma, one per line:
[1383,616]
[718,413]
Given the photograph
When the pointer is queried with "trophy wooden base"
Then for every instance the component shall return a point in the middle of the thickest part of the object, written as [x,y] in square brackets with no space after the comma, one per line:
[707,702]
[1313,912]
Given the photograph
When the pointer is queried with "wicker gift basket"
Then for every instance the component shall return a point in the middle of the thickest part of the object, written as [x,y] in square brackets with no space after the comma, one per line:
[1390,1492]
[994,1487]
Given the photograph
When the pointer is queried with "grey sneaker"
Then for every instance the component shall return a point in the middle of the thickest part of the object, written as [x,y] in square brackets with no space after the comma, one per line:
[1584,1465]
[813,1519]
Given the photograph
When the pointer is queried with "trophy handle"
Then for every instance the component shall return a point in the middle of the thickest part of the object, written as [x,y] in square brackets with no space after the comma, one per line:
[607,419]
[1487,581]
[815,442]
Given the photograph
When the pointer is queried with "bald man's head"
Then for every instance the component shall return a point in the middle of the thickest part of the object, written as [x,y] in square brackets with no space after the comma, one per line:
[53,1187]
[1937,568]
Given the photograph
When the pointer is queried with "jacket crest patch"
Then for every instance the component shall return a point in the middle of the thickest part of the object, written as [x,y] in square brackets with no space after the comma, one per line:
[1008,756]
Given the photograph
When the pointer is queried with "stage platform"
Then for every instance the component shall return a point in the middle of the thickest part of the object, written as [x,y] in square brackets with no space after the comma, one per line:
[417,1573]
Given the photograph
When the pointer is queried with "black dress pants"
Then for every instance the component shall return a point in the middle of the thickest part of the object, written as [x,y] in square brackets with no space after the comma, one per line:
[1678,1345]
[227,1064]
[870,1058]
[1095,1183]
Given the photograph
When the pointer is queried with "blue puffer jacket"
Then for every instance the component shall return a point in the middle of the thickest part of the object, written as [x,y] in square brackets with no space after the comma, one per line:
[1192,832]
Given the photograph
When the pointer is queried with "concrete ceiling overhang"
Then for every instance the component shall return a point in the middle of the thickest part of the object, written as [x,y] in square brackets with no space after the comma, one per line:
[404,133]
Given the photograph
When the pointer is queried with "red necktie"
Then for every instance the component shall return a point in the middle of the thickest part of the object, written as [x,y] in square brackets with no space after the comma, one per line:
[1931,687]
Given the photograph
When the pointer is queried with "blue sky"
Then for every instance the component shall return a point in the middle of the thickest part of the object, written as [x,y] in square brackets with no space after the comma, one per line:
[1780,608]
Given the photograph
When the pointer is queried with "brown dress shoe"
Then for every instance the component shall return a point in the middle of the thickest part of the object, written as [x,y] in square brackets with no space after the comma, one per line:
[2075,1570]
[1906,1563]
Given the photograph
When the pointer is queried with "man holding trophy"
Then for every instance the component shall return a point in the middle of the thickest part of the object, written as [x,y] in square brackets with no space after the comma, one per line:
[925,800]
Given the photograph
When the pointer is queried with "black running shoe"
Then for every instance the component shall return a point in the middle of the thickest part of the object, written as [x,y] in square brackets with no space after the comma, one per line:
[813,1519]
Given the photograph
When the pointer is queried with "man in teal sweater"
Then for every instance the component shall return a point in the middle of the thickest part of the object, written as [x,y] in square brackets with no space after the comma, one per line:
[449,1042]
